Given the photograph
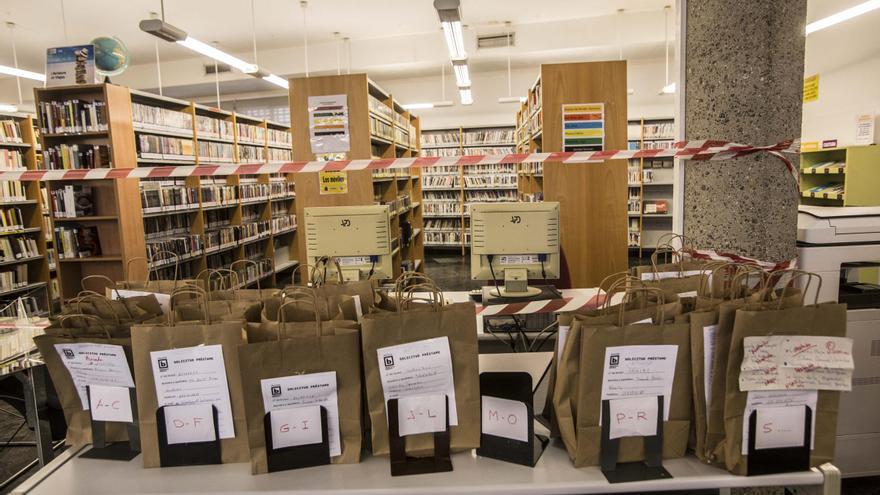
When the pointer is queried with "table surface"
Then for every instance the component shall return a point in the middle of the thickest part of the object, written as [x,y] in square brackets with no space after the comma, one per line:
[554,474]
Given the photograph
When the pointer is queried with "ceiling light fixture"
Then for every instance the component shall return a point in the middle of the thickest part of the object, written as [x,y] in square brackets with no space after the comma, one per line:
[465,95]
[668,88]
[422,106]
[450,20]
[276,80]
[6,107]
[843,15]
[462,75]
[12,71]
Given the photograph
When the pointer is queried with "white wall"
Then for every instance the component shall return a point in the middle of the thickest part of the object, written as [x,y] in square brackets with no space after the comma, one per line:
[844,93]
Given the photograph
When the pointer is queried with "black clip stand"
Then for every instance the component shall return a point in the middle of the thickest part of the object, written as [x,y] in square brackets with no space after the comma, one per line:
[650,469]
[515,386]
[118,451]
[401,464]
[783,459]
[300,456]
[187,454]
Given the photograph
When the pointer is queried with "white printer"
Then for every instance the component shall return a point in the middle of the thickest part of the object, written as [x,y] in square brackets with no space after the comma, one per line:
[834,242]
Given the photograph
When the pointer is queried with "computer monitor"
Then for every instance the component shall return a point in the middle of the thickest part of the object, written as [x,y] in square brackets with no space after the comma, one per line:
[359,237]
[516,242]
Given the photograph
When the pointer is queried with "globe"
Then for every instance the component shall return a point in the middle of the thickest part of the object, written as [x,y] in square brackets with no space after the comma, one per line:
[111,55]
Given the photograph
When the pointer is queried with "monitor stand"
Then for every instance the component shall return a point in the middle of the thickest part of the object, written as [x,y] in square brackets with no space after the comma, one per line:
[540,293]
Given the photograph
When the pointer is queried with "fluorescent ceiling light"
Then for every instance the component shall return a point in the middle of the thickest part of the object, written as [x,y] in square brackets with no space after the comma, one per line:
[512,99]
[454,39]
[668,89]
[432,104]
[276,80]
[218,55]
[462,75]
[6,107]
[630,91]
[844,15]
[465,95]
[12,71]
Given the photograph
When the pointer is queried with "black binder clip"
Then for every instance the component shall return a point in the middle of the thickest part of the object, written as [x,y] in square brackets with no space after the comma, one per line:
[187,454]
[779,460]
[515,386]
[649,469]
[117,451]
[300,456]
[401,464]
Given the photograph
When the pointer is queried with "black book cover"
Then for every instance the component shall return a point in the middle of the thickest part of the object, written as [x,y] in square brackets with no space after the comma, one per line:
[87,241]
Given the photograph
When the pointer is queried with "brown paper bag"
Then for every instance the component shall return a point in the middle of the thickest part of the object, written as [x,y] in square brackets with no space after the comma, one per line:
[458,323]
[295,317]
[148,338]
[698,321]
[330,349]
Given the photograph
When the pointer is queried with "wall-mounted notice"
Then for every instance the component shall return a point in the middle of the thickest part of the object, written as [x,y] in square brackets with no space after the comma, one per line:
[811,88]
[333,182]
[583,127]
[865,129]
[328,124]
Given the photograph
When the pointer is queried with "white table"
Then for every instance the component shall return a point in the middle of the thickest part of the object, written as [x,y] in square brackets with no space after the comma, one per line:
[554,474]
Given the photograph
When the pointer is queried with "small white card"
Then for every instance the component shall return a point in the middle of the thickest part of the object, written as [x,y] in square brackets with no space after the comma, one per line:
[505,418]
[189,423]
[95,364]
[708,362]
[296,426]
[109,403]
[690,293]
[778,427]
[647,321]
[418,368]
[311,389]
[636,417]
[561,338]
[764,399]
[421,414]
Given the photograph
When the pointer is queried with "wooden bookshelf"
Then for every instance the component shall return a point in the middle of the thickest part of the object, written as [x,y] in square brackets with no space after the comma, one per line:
[455,188]
[841,176]
[649,181]
[530,176]
[379,128]
[24,149]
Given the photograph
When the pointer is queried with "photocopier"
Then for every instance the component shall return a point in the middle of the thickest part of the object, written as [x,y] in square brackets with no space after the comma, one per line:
[842,245]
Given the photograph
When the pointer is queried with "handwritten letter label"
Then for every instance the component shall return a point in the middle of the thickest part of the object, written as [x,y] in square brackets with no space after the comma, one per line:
[505,418]
[779,427]
[108,403]
[796,362]
[189,423]
[636,417]
[421,414]
[296,426]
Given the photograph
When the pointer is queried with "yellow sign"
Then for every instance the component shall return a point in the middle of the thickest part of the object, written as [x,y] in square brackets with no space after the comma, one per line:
[811,88]
[809,146]
[585,108]
[333,182]
[584,132]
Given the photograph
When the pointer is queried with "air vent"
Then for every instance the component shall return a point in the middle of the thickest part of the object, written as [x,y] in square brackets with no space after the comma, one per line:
[221,68]
[495,40]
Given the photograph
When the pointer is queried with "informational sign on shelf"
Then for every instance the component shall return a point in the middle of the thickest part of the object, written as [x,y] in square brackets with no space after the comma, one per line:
[809,146]
[328,124]
[69,65]
[583,127]
[811,88]
[333,182]
[865,129]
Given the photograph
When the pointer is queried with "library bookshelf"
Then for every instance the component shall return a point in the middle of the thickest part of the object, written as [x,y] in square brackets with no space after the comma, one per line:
[530,176]
[207,222]
[24,261]
[378,128]
[448,192]
[840,176]
[650,184]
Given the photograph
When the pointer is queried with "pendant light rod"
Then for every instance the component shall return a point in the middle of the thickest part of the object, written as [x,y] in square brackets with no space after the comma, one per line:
[11,26]
[666,40]
[304,5]
[254,30]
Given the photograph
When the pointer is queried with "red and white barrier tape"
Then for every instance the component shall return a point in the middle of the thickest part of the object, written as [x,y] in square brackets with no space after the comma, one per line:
[690,150]
[584,299]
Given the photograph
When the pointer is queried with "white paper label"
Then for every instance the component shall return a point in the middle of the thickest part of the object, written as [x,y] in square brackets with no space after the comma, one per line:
[562,338]
[796,362]
[423,367]
[353,260]
[519,259]
[163,299]
[194,375]
[690,293]
[708,362]
[108,403]
[505,418]
[296,426]
[778,427]
[312,389]
[778,398]
[675,274]
[639,371]
[421,414]
[358,309]
[648,321]
[636,417]
[189,423]
[95,364]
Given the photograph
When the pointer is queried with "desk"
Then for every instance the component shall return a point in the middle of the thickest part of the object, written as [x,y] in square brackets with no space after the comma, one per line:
[554,474]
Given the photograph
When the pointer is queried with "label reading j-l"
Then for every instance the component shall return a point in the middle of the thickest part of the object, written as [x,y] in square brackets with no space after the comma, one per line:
[519,259]
[333,182]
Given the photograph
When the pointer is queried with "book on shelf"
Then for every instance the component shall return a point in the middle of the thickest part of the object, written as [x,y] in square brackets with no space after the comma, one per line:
[72,116]
[211,127]
[285,222]
[249,133]
[379,108]
[11,159]
[279,137]
[441,138]
[440,152]
[77,241]
[12,191]
[76,156]
[660,130]
[247,153]
[166,225]
[10,131]
[17,247]
[251,192]
[150,147]
[656,207]
[13,278]
[381,129]
[148,117]
[488,136]
[183,246]
[167,195]
[51,257]
[73,200]
[11,219]
[212,152]
[493,150]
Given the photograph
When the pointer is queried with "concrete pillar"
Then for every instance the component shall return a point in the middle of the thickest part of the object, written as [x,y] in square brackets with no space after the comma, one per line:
[744,68]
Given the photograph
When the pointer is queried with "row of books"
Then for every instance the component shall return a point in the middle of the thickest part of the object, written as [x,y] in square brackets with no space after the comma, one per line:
[12,191]
[18,247]
[488,136]
[167,195]
[11,159]
[181,245]
[633,175]
[663,130]
[491,150]
[829,167]
[446,208]
[634,238]
[10,131]
[158,118]
[437,224]
[535,197]
[251,213]
[280,209]
[251,154]
[834,190]
[11,219]
[490,196]
[166,225]
[213,127]
[73,116]
[77,241]
[279,138]
[251,133]
[440,151]
[218,218]
[14,278]
[634,204]
[210,151]
[401,136]
[451,238]
[76,156]
[164,147]
[657,145]
[73,200]
[494,169]
[379,108]
[440,138]
[284,222]
[536,168]
[381,129]
[490,181]
[217,194]
[281,189]
[253,191]
[440,181]
[216,261]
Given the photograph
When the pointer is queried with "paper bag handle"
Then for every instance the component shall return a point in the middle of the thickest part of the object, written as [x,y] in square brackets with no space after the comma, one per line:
[64,318]
[94,296]
[661,301]
[667,238]
[713,268]
[773,278]
[159,255]
[744,271]
[200,293]
[672,253]
[408,296]
[299,297]
[623,283]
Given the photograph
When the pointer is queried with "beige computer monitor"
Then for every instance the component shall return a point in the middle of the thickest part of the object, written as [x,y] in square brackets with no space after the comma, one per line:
[359,237]
[522,241]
